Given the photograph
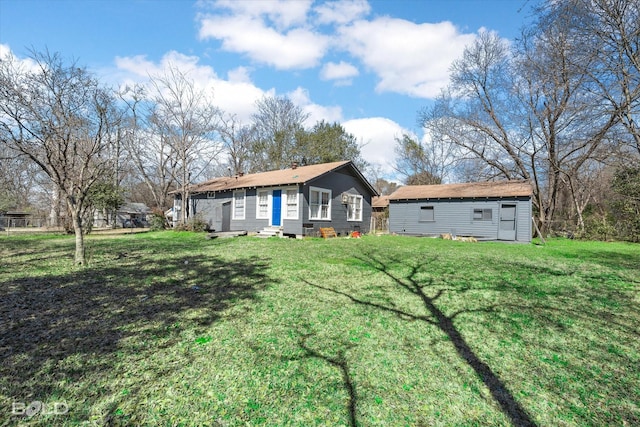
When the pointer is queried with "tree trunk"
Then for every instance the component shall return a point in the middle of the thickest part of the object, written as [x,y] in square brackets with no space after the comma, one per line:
[77,228]
[54,215]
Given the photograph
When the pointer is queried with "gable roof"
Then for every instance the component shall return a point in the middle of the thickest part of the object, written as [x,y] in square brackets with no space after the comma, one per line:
[465,190]
[134,208]
[298,175]
[380,202]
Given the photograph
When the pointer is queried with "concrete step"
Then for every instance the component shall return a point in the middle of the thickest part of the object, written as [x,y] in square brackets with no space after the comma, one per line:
[270,232]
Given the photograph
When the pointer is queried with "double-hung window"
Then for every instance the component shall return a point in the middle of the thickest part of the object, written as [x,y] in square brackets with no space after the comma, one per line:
[354,208]
[319,204]
[239,204]
[262,210]
[291,201]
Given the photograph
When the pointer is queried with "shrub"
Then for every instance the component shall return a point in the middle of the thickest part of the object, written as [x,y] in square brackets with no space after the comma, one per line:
[598,228]
[157,221]
[193,224]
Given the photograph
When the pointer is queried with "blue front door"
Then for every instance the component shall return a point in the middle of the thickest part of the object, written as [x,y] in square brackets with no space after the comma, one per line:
[276,210]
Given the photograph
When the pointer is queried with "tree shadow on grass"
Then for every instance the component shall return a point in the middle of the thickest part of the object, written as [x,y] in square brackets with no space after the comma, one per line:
[94,315]
[434,316]
[338,361]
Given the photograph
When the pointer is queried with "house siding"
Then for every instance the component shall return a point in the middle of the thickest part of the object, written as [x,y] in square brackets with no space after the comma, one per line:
[456,217]
[209,209]
[341,181]
[208,206]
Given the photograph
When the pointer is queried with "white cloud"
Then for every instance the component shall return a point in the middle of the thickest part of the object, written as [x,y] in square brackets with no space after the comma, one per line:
[342,71]
[24,64]
[239,75]
[236,95]
[283,13]
[409,58]
[298,48]
[342,11]
[301,98]
[378,136]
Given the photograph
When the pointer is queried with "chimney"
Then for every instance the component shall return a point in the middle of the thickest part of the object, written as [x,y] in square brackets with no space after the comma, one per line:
[294,165]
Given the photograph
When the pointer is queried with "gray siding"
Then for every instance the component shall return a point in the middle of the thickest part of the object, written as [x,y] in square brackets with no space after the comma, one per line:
[209,206]
[341,181]
[457,217]
[294,226]
[210,209]
[250,222]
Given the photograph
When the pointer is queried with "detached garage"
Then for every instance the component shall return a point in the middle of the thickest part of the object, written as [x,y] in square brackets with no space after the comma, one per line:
[484,210]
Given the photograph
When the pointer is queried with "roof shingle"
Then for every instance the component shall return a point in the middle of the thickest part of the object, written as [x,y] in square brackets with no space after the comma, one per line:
[299,175]
[464,190]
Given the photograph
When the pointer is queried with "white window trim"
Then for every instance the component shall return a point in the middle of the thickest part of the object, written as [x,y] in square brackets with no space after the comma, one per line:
[361,199]
[268,214]
[285,203]
[244,205]
[321,190]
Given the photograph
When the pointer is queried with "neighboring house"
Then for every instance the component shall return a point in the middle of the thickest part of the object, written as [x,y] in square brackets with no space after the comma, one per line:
[484,210]
[129,214]
[296,201]
[132,214]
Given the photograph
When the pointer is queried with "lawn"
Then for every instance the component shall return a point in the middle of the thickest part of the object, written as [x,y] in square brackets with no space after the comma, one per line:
[173,329]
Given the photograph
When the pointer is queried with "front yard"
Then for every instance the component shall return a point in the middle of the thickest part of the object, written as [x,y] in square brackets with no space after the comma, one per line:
[172,329]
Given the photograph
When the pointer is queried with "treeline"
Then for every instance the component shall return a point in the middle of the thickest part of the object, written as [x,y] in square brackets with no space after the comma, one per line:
[558,107]
[71,145]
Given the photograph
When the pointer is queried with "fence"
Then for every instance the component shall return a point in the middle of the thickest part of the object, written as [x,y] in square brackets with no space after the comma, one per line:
[22,221]
[380,225]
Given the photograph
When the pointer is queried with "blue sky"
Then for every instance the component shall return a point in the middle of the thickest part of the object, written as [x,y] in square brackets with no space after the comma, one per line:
[369,65]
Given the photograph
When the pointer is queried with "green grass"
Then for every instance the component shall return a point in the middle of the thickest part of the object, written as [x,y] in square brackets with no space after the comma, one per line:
[172,329]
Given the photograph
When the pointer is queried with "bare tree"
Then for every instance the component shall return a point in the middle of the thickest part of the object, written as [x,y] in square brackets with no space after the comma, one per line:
[19,179]
[277,121]
[185,119]
[239,141]
[610,30]
[59,116]
[527,113]
[423,163]
[149,151]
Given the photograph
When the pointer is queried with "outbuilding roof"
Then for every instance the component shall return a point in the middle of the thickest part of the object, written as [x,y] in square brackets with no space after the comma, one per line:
[380,202]
[464,190]
[293,175]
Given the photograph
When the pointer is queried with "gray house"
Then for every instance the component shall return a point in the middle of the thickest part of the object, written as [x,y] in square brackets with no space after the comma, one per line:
[297,201]
[484,210]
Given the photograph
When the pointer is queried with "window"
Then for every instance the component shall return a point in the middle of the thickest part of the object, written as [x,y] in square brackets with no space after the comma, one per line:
[319,203]
[262,208]
[426,214]
[482,214]
[354,208]
[292,204]
[238,204]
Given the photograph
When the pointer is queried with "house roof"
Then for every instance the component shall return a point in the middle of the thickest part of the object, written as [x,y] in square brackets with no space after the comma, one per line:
[380,202]
[465,190]
[134,208]
[298,175]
